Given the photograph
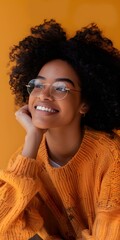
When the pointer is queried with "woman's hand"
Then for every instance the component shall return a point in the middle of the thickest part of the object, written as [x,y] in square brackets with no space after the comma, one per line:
[34,135]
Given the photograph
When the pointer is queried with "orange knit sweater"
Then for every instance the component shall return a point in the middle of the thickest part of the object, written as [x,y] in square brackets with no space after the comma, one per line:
[80,200]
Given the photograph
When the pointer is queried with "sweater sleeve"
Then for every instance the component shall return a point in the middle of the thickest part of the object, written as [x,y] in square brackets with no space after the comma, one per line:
[107,222]
[19,215]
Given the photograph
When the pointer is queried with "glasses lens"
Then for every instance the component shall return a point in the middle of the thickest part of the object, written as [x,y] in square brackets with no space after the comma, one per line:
[35,85]
[58,90]
[30,86]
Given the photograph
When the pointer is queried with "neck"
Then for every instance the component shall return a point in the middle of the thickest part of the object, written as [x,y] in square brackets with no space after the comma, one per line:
[62,144]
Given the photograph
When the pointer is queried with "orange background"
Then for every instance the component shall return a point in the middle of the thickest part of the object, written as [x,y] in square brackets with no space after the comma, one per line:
[16,17]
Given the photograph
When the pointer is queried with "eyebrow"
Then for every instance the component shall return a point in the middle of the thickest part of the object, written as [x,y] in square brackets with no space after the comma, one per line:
[59,79]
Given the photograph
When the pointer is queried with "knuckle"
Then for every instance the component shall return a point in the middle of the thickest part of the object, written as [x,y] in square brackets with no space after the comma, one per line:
[18,113]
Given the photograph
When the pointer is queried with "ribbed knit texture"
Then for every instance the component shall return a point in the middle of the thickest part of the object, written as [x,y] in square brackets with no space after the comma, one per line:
[80,200]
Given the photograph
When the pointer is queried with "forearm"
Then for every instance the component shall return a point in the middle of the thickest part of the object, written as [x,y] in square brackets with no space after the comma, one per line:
[33,134]
[20,184]
[31,145]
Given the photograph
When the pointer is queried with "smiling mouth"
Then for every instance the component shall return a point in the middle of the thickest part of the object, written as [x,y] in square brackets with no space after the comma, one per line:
[45,109]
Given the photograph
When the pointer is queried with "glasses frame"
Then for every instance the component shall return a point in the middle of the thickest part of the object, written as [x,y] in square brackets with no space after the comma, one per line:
[68,90]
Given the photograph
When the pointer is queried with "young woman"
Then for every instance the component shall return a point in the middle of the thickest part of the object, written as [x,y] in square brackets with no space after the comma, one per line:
[64,182]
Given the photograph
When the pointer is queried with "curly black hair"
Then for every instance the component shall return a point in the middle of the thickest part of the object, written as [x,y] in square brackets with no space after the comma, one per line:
[94,58]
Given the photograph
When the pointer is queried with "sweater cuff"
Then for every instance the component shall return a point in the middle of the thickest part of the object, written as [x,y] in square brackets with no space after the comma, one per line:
[24,166]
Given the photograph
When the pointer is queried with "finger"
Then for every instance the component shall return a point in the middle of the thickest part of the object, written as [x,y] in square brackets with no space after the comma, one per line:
[23,110]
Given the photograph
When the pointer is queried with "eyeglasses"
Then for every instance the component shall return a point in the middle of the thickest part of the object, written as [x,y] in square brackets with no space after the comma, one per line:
[58,90]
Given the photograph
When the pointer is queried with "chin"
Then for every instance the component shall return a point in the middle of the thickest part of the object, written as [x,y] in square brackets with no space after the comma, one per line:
[40,125]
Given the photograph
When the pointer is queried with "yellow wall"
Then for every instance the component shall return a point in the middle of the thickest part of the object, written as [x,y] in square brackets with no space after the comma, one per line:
[16,17]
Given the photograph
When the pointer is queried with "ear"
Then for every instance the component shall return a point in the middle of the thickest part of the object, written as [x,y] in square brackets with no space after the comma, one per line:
[83,108]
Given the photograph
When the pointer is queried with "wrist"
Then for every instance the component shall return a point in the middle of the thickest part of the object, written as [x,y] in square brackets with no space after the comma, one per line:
[31,145]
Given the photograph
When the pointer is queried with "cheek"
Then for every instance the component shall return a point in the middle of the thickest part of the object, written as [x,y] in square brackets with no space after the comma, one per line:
[73,103]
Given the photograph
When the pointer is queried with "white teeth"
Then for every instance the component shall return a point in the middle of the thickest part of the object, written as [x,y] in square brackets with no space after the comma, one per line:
[44,109]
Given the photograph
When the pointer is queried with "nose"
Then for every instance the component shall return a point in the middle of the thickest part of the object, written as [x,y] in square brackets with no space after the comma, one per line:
[45,94]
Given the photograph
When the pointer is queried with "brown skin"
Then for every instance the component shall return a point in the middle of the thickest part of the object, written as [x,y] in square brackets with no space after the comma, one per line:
[65,122]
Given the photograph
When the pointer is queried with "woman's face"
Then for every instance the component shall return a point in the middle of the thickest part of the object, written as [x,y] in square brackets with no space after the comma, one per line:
[48,112]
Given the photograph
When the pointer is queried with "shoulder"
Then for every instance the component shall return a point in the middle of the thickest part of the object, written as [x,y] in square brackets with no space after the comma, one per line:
[104,145]
[104,139]
[107,169]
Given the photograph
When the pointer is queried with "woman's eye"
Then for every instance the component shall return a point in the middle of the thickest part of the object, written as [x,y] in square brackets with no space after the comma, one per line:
[61,89]
[39,86]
